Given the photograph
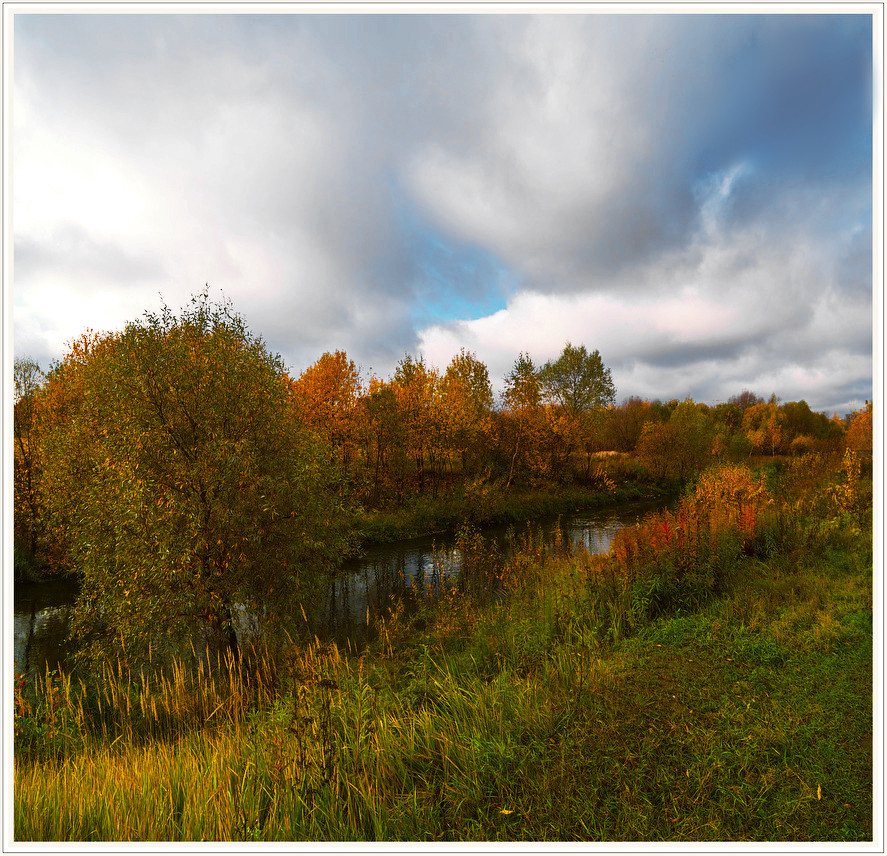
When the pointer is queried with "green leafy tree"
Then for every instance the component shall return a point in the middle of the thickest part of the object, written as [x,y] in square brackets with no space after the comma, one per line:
[578,386]
[184,484]
[577,380]
[694,433]
[682,446]
[523,391]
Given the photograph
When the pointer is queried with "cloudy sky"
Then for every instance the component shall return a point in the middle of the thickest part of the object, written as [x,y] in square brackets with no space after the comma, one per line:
[689,194]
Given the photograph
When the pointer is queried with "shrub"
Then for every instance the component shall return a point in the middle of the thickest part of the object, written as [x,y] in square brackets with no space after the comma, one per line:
[677,559]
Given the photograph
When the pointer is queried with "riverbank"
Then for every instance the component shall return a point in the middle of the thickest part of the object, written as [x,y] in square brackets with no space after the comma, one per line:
[425,515]
[710,679]
[747,719]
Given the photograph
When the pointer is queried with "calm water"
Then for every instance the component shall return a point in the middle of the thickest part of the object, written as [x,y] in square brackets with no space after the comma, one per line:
[42,611]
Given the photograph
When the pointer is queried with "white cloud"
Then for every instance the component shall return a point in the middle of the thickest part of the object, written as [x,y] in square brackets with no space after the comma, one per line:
[612,169]
[738,309]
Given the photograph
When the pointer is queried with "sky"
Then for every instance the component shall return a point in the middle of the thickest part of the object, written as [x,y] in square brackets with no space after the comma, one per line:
[691,195]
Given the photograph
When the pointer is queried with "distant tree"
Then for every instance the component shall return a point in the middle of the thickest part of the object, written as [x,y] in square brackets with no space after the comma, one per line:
[660,410]
[183,483]
[523,389]
[626,422]
[764,425]
[578,386]
[802,444]
[473,376]
[728,414]
[522,423]
[799,419]
[28,519]
[859,434]
[415,385]
[680,447]
[467,401]
[383,433]
[577,380]
[654,447]
[694,432]
[745,399]
[326,396]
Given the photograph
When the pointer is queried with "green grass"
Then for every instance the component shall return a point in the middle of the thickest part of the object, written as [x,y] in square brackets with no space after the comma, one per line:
[425,515]
[746,719]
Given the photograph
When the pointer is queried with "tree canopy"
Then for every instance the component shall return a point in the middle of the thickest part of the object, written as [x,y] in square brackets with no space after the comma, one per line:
[577,380]
[185,487]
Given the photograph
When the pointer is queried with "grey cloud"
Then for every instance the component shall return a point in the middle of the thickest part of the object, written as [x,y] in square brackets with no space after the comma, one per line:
[72,253]
[307,158]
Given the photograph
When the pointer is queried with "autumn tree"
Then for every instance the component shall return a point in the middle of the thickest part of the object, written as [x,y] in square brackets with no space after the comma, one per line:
[859,434]
[764,425]
[28,520]
[521,400]
[626,422]
[382,432]
[467,401]
[745,399]
[326,396]
[694,431]
[183,484]
[680,447]
[414,385]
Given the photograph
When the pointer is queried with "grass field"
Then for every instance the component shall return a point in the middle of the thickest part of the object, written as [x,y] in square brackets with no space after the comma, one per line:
[549,715]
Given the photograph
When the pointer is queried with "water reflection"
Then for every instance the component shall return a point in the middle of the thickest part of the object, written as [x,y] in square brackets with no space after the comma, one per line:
[403,571]
[41,619]
[383,575]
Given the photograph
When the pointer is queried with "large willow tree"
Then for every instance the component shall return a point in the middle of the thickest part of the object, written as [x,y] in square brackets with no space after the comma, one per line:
[183,483]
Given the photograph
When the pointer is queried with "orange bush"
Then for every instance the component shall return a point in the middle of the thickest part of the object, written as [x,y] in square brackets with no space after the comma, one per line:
[723,513]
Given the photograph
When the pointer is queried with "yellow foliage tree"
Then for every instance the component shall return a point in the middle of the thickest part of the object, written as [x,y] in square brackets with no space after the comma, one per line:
[326,396]
[859,434]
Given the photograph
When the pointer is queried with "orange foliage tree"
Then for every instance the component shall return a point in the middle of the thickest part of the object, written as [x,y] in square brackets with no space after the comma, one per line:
[382,435]
[859,434]
[28,519]
[764,425]
[467,401]
[326,396]
[415,385]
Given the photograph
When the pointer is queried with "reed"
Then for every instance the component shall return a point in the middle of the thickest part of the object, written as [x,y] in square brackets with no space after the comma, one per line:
[747,717]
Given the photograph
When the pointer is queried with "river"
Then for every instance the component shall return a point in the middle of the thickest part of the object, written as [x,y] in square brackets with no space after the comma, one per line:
[42,611]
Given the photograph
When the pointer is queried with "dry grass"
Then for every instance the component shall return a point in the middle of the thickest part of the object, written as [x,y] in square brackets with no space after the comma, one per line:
[748,718]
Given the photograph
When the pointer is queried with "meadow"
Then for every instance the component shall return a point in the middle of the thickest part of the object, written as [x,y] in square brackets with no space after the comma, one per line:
[708,680]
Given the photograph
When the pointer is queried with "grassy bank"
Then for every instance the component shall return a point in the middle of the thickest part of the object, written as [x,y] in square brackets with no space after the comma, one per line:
[488,506]
[701,693]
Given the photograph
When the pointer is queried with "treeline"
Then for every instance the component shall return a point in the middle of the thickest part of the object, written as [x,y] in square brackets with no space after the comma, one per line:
[423,430]
[428,432]
[183,473]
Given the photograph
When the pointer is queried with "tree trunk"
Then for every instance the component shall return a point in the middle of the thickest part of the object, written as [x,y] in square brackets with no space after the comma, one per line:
[223,625]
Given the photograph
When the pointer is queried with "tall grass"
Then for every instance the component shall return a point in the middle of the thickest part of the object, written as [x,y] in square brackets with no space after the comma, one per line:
[515,717]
